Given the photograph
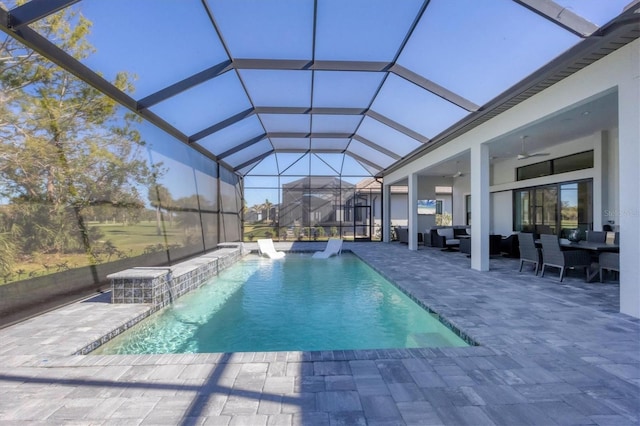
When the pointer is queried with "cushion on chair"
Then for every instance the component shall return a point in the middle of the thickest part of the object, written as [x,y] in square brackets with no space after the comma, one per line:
[447,233]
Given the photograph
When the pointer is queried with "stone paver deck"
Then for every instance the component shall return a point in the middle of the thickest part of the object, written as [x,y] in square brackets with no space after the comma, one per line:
[549,354]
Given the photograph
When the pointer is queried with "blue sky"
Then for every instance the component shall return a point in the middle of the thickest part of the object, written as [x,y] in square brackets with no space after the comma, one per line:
[475,49]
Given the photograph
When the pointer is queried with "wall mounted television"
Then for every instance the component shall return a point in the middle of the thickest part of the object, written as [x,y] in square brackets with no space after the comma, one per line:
[426,206]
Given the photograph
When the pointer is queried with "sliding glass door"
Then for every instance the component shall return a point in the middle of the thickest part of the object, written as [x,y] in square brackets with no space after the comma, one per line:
[546,210]
[555,208]
[576,205]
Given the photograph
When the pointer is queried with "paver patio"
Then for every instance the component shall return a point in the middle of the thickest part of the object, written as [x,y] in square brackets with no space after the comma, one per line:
[550,353]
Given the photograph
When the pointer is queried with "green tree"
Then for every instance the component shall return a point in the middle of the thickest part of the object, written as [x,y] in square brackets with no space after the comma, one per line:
[267,206]
[7,254]
[66,147]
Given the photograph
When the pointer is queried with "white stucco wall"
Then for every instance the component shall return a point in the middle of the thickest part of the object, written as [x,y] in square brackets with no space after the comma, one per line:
[399,209]
[461,188]
[502,213]
[427,191]
[504,172]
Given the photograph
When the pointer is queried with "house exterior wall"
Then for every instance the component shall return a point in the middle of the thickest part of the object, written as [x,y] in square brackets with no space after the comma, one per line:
[604,175]
[620,71]
[461,188]
[399,209]
[501,213]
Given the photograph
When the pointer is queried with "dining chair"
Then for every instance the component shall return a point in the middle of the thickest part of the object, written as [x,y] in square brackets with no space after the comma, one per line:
[528,251]
[610,262]
[555,257]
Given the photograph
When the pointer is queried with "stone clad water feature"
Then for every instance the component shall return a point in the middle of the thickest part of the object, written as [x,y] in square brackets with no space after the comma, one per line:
[159,286]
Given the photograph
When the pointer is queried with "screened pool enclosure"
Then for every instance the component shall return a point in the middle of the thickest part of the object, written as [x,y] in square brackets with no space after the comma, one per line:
[141,132]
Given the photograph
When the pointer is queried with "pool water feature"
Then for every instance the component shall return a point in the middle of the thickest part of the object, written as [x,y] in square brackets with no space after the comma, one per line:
[294,304]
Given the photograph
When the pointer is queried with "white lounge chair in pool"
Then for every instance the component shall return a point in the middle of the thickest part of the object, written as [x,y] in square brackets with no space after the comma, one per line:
[333,248]
[266,248]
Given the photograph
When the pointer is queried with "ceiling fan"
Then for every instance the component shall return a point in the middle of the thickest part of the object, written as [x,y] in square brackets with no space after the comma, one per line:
[524,154]
[458,173]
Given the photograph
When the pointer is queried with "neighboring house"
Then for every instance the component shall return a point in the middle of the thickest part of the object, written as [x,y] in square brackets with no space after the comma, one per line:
[314,201]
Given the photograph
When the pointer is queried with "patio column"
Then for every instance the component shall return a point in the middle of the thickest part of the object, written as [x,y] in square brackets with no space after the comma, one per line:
[386,213]
[629,215]
[413,211]
[480,207]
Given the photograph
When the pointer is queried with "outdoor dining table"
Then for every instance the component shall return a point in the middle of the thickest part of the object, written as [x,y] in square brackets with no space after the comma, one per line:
[589,246]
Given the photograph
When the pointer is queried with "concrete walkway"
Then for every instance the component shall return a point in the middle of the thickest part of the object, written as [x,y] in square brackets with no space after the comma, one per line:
[549,354]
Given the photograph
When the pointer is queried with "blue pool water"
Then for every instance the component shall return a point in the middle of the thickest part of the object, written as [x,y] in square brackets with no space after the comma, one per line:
[298,303]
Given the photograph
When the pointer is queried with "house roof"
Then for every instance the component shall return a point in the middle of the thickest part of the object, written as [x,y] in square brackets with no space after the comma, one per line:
[354,87]
[317,182]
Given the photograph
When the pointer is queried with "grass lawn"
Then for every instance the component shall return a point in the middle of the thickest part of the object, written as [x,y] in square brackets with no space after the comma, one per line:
[130,240]
[138,236]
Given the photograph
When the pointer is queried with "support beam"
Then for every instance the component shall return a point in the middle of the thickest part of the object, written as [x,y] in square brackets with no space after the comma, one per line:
[35,10]
[242,146]
[315,151]
[252,161]
[184,85]
[397,126]
[413,211]
[480,207]
[297,135]
[434,88]
[377,147]
[628,217]
[271,64]
[221,125]
[305,110]
[300,65]
[386,213]
[364,161]
[561,16]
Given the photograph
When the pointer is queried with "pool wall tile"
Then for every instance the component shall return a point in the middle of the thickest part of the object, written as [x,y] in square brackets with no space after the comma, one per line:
[160,286]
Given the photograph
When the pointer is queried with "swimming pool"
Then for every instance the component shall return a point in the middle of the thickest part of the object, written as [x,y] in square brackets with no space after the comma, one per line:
[295,304]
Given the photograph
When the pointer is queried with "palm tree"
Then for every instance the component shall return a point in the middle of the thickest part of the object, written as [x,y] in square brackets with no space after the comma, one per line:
[267,205]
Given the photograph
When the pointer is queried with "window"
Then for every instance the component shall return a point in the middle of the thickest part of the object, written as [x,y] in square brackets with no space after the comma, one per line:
[438,206]
[554,209]
[569,163]
[574,199]
[534,170]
